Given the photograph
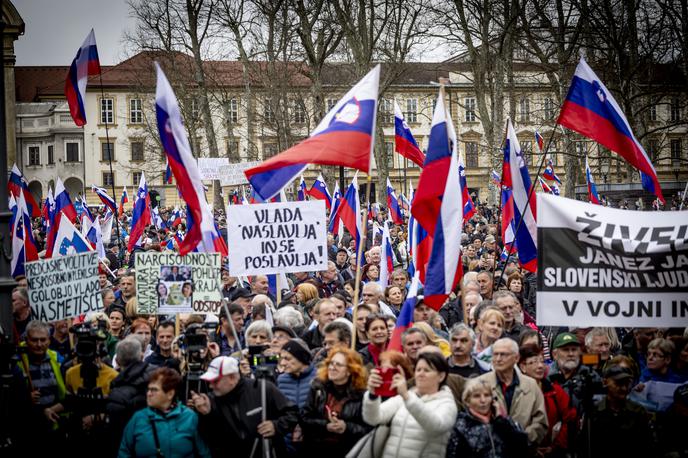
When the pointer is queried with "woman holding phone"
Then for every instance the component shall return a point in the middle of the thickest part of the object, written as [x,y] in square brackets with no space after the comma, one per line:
[331,418]
[421,418]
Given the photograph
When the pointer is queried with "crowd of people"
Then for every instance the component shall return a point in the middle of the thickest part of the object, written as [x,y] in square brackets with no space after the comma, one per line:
[313,373]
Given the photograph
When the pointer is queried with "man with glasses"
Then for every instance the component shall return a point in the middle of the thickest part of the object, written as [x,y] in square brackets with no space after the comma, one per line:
[517,395]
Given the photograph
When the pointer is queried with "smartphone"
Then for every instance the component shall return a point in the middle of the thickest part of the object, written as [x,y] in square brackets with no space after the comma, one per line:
[386,390]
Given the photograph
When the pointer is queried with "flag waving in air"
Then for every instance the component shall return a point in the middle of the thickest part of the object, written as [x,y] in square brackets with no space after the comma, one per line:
[17,184]
[549,172]
[393,205]
[184,167]
[405,318]
[438,207]
[404,143]
[108,201]
[23,245]
[343,137]
[319,191]
[591,110]
[593,197]
[349,211]
[122,201]
[545,187]
[515,176]
[141,216]
[85,64]
[303,191]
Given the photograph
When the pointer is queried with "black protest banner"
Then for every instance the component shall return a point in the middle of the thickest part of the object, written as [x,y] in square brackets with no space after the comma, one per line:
[600,266]
[168,283]
[64,287]
[277,237]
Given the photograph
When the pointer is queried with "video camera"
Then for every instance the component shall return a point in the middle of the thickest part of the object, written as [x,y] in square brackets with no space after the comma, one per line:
[262,365]
[90,337]
[194,339]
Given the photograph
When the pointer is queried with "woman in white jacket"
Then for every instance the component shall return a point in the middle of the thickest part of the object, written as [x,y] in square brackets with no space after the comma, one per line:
[422,417]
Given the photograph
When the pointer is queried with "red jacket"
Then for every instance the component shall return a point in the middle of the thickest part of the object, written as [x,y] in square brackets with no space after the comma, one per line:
[559,410]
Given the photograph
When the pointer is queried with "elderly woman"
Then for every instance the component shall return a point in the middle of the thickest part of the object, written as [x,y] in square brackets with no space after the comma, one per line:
[480,431]
[258,334]
[420,418]
[658,357]
[331,418]
[166,427]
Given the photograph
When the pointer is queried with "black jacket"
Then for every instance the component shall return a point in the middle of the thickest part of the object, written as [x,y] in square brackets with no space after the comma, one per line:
[317,440]
[501,438]
[231,427]
[313,338]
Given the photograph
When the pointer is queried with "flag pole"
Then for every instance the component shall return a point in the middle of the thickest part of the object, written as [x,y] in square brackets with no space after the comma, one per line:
[683,197]
[112,173]
[530,195]
[359,254]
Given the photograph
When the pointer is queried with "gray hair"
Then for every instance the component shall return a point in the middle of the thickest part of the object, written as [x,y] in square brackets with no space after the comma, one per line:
[666,346]
[129,351]
[413,330]
[258,326]
[511,343]
[288,316]
[595,332]
[36,325]
[473,385]
[374,287]
[502,294]
[461,327]
[23,292]
[262,299]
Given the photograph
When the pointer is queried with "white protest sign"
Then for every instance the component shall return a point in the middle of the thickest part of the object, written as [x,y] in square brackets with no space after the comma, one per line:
[168,283]
[600,266]
[64,287]
[211,167]
[277,237]
[233,174]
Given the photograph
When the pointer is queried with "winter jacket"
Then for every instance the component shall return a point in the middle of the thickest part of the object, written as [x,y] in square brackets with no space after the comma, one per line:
[296,389]
[501,438]
[177,433]
[575,385]
[420,426]
[231,427]
[559,410]
[127,395]
[527,406]
[318,441]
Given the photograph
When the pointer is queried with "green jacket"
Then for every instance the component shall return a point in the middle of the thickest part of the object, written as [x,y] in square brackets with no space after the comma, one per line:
[54,364]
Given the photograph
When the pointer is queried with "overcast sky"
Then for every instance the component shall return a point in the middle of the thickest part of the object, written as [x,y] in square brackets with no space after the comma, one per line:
[56,28]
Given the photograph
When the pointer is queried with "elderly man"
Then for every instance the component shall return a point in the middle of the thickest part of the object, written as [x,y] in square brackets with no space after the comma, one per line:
[486,283]
[330,280]
[21,312]
[325,312]
[517,394]
[511,308]
[597,342]
[412,340]
[230,417]
[462,361]
[372,294]
[261,285]
[579,381]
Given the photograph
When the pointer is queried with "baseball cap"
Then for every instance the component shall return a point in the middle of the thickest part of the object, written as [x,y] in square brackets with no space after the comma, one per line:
[617,372]
[219,367]
[563,339]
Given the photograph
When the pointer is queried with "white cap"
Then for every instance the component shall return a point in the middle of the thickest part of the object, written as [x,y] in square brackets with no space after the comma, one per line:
[219,367]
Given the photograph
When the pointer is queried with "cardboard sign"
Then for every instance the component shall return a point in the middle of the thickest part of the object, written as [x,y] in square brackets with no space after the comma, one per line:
[277,238]
[167,283]
[64,287]
[233,174]
[211,167]
[600,266]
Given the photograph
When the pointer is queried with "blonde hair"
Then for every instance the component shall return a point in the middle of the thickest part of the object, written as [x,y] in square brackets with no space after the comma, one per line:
[473,385]
[131,308]
[490,312]
[433,339]
[309,291]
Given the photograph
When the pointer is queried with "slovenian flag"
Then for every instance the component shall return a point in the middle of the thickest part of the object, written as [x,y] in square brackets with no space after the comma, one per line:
[141,216]
[386,257]
[404,143]
[23,244]
[516,178]
[123,200]
[468,205]
[345,136]
[68,240]
[102,194]
[539,141]
[438,207]
[593,197]
[349,211]
[545,187]
[549,172]
[303,191]
[85,64]
[17,184]
[334,221]
[64,209]
[393,205]
[319,191]
[590,110]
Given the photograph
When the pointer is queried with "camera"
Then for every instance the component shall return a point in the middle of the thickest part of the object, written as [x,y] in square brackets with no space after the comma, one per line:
[90,337]
[262,366]
[193,339]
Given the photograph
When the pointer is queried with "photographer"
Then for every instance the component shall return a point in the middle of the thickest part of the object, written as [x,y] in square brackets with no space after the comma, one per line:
[230,417]
[197,352]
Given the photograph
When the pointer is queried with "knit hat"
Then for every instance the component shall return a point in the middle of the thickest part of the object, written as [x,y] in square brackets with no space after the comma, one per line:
[298,351]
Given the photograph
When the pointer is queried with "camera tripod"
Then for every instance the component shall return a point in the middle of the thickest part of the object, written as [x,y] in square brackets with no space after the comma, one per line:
[268,451]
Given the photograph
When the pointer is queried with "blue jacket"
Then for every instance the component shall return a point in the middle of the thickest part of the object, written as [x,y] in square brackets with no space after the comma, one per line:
[296,388]
[177,433]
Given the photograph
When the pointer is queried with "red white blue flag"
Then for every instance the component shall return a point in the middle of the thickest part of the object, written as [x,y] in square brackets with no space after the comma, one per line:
[468,205]
[108,201]
[404,143]
[591,110]
[593,197]
[123,200]
[335,221]
[393,205]
[545,187]
[141,216]
[18,184]
[319,191]
[303,191]
[23,244]
[549,172]
[202,234]
[515,176]
[64,209]
[85,64]
[345,136]
[438,207]
[539,141]
[350,211]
